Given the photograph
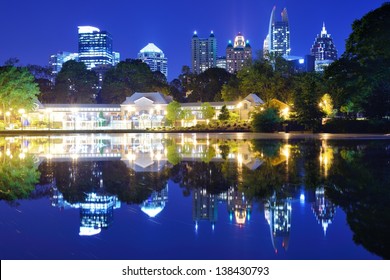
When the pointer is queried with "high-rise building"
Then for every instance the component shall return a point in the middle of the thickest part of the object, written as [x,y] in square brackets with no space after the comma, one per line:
[95,47]
[203,53]
[277,41]
[221,62]
[154,58]
[56,60]
[238,55]
[323,50]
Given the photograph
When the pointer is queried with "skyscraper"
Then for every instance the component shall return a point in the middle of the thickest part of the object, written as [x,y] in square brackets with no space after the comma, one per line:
[154,58]
[277,41]
[203,53]
[95,47]
[56,60]
[323,50]
[238,55]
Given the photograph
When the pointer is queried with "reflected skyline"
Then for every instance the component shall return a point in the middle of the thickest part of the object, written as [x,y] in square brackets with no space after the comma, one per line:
[229,182]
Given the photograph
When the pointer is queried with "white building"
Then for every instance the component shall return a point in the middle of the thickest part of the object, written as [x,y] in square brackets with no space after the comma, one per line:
[154,58]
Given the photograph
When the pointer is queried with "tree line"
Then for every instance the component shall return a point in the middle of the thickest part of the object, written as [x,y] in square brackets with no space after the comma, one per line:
[357,83]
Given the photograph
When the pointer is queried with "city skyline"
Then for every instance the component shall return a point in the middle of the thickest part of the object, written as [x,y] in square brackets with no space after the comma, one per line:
[51,32]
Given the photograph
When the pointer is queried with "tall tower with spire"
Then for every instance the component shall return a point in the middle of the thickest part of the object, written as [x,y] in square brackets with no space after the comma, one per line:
[277,41]
[323,50]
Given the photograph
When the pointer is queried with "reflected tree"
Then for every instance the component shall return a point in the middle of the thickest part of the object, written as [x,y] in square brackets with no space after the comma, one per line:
[359,183]
[18,175]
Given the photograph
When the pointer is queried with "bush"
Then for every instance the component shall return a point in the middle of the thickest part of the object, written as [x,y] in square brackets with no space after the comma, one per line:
[356,126]
[267,120]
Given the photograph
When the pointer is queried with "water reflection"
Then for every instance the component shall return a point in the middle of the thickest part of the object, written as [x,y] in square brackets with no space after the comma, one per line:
[97,174]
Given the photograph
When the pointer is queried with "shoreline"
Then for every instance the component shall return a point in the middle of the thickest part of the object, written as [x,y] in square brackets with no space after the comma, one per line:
[242,134]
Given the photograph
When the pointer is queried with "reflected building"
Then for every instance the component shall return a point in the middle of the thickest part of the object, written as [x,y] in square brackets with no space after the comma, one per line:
[238,206]
[204,207]
[96,211]
[155,203]
[323,209]
[278,215]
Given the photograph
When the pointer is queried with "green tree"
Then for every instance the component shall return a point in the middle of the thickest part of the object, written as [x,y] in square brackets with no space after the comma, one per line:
[75,84]
[18,173]
[17,89]
[129,76]
[361,75]
[207,110]
[173,112]
[326,105]
[309,88]
[224,115]
[44,78]
[267,120]
[207,85]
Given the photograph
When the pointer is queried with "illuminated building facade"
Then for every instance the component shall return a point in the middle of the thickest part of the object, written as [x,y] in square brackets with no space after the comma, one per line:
[56,60]
[238,55]
[277,41]
[155,203]
[278,215]
[139,111]
[203,53]
[154,58]
[204,207]
[323,50]
[238,206]
[323,209]
[95,47]
[221,62]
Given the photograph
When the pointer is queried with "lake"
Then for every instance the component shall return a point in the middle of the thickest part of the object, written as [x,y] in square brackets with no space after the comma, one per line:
[195,196]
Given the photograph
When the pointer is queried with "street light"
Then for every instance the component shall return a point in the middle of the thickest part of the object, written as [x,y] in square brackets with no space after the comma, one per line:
[8,114]
[22,115]
[48,111]
[239,105]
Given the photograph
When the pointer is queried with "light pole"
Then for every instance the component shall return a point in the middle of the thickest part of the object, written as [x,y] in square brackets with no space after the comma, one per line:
[239,109]
[8,114]
[22,115]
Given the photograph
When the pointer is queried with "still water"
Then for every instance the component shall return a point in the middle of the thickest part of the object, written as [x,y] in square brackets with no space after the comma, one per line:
[194,196]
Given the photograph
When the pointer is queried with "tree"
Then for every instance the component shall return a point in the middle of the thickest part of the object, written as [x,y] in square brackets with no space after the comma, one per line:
[44,78]
[267,120]
[173,111]
[224,115]
[308,91]
[75,84]
[129,76]
[17,89]
[207,85]
[207,110]
[326,105]
[361,75]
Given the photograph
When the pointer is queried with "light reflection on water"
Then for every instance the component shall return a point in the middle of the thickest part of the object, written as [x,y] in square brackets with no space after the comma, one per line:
[193,196]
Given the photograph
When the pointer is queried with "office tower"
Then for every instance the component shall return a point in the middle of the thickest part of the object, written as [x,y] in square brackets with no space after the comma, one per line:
[278,38]
[203,53]
[323,50]
[154,58]
[56,60]
[221,62]
[238,55]
[95,47]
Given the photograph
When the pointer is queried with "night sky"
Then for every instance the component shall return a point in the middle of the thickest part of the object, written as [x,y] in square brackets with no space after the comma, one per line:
[33,30]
